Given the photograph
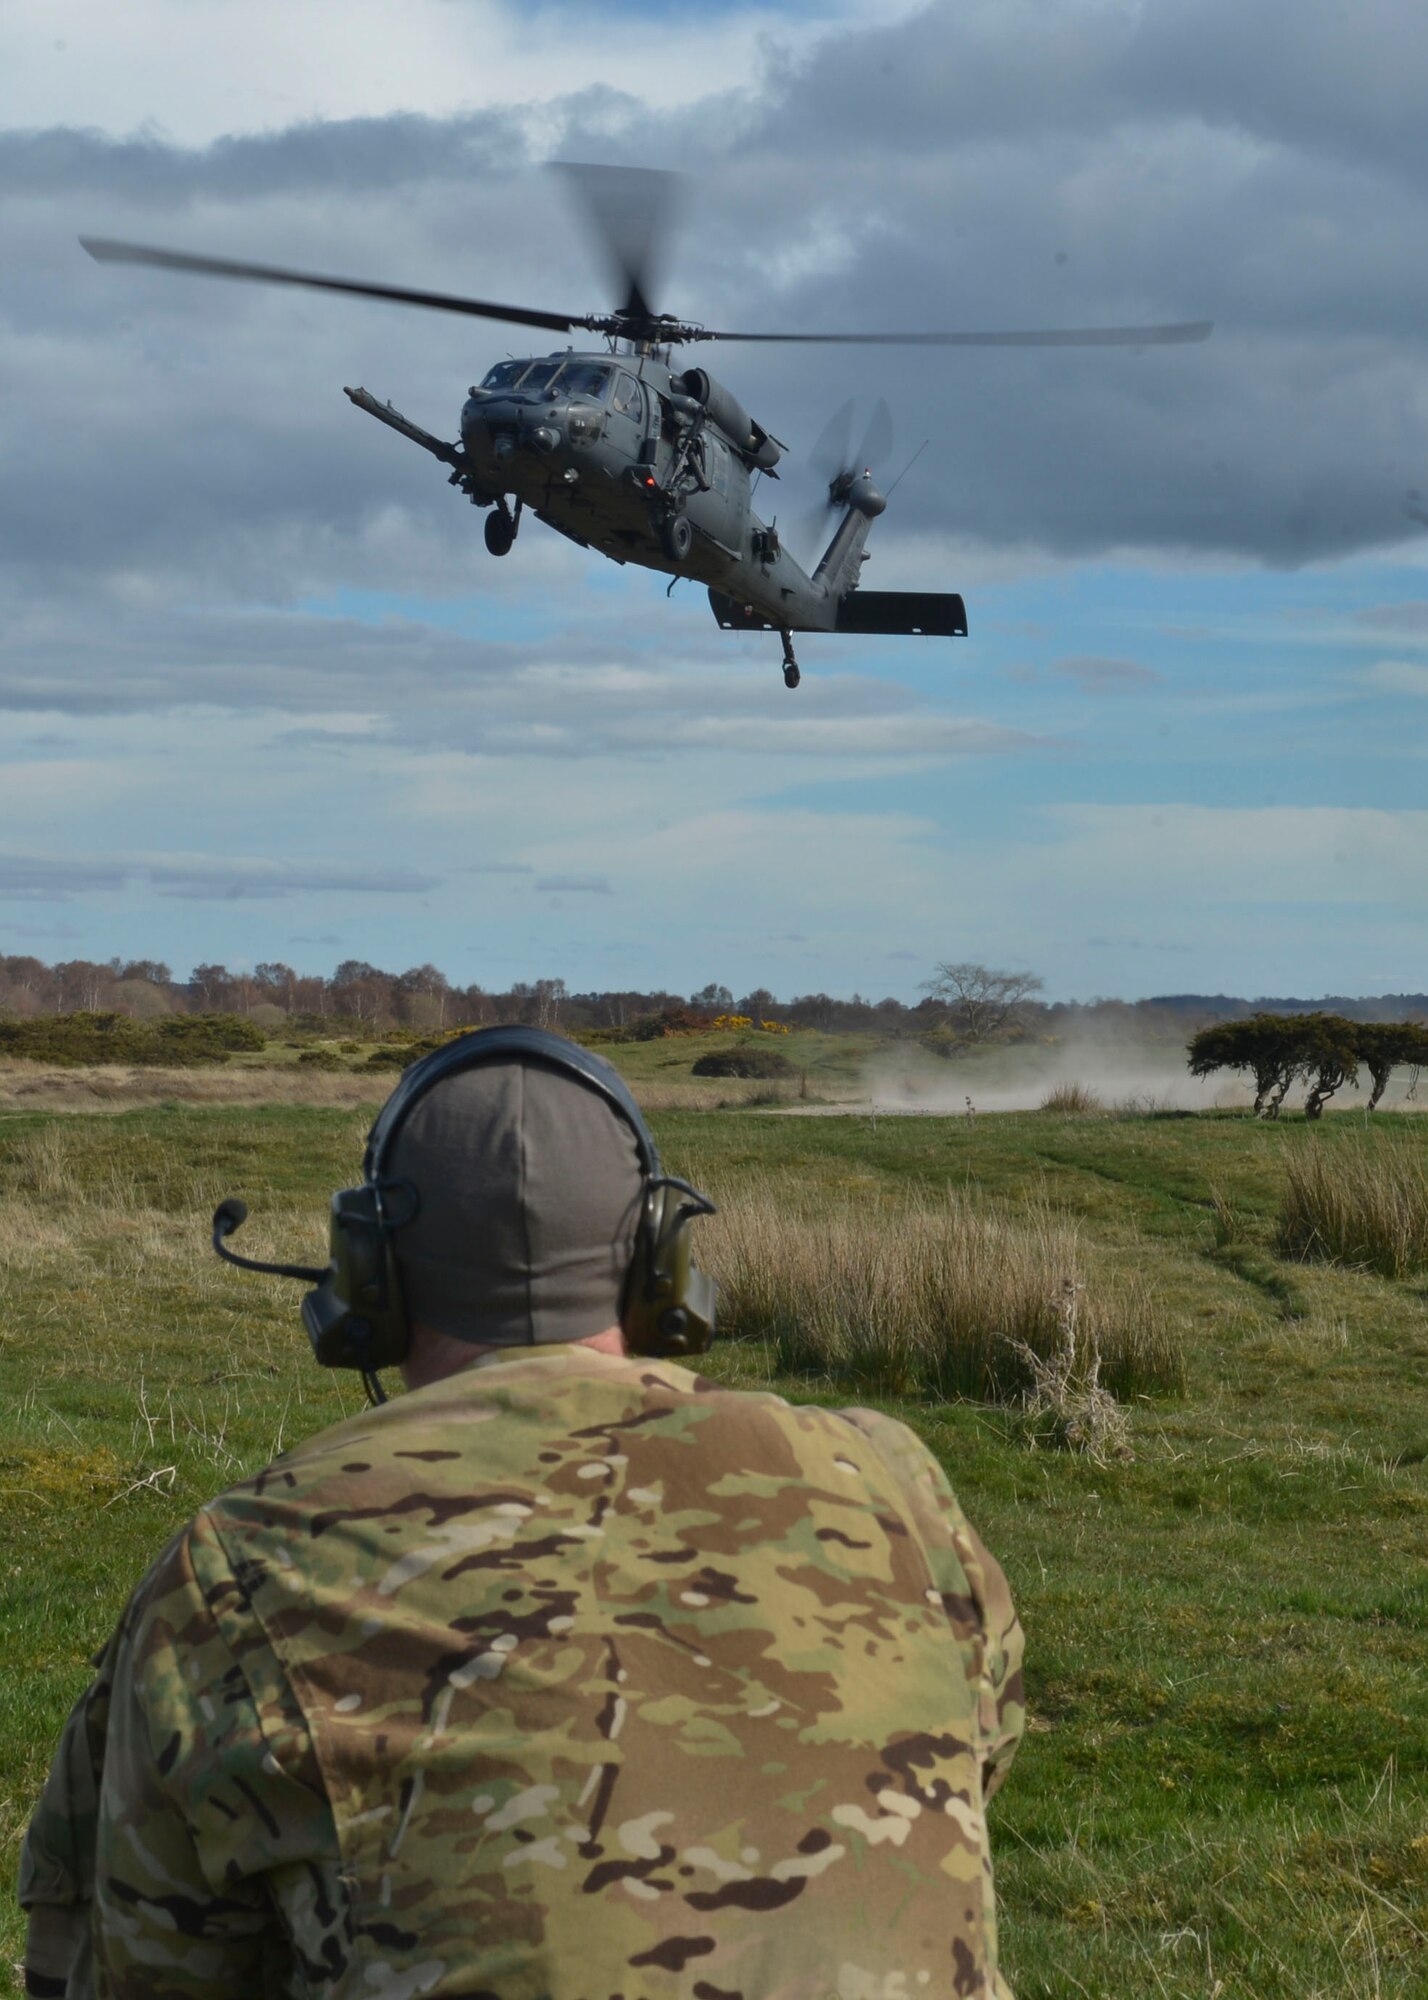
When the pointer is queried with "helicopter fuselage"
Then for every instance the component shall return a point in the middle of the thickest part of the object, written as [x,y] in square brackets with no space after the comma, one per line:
[617,452]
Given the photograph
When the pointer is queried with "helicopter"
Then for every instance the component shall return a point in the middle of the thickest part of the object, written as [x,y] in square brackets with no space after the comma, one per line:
[627,452]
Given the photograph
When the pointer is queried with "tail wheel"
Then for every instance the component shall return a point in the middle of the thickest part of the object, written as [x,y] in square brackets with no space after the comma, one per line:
[500,532]
[678,538]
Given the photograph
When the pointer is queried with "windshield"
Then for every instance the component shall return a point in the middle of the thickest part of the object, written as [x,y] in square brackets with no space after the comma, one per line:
[586,378]
[505,374]
[539,376]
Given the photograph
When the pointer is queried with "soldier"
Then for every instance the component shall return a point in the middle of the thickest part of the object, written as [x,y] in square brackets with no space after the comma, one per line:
[568,1675]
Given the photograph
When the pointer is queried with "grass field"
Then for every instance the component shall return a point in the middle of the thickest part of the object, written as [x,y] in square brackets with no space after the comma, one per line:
[1225,1787]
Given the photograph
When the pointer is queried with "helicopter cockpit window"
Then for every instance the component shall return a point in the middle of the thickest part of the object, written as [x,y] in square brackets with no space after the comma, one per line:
[586,378]
[540,376]
[505,374]
[629,397]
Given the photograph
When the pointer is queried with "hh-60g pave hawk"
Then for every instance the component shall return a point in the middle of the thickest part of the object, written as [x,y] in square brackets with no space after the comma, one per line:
[625,452]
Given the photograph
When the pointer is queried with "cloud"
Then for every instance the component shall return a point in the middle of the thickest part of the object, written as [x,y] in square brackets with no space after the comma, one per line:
[56,878]
[57,933]
[1411,617]
[1134,944]
[275,62]
[1241,857]
[1099,676]
[574,885]
[1397,677]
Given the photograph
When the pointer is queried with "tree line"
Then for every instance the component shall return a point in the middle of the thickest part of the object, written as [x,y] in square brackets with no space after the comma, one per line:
[1322,1051]
[964,1005]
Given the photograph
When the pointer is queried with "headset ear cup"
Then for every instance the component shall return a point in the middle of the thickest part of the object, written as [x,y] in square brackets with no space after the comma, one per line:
[669,1305]
[356,1318]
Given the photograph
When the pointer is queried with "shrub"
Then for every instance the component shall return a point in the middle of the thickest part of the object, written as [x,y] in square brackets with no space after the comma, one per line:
[177,1040]
[758,1062]
[207,1037]
[1357,1205]
[321,1059]
[673,1021]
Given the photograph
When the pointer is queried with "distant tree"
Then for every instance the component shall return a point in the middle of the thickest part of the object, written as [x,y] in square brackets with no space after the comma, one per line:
[153,970]
[423,996]
[1385,1045]
[812,1010]
[1259,1045]
[547,997]
[211,988]
[1279,1050]
[712,999]
[278,981]
[139,998]
[361,990]
[758,1005]
[1328,1058]
[977,1001]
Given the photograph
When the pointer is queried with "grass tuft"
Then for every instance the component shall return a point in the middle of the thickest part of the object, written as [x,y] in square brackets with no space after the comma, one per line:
[1072,1100]
[930,1297]
[1365,1207]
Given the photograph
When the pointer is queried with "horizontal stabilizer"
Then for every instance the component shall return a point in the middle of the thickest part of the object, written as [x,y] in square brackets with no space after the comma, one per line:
[936,613]
[940,614]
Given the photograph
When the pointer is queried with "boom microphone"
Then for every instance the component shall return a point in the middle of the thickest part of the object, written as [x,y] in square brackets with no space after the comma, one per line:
[226,1218]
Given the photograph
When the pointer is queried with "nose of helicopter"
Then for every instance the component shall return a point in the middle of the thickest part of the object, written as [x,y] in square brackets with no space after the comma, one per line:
[499,428]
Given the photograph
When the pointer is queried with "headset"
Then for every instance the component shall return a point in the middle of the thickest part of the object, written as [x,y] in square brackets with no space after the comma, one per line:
[355,1315]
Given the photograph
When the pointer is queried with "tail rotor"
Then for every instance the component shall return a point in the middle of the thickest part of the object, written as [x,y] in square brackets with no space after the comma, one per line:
[835,464]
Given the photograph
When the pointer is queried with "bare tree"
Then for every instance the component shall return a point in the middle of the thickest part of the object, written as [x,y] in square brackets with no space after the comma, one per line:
[978,1001]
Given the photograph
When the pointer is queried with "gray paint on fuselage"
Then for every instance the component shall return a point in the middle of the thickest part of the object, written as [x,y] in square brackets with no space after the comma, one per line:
[580,464]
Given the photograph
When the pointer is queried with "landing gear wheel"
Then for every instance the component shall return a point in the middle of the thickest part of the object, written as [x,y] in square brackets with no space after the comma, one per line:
[500,532]
[678,538]
[791,675]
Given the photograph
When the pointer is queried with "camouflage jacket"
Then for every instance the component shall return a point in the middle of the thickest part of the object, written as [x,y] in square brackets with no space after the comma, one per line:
[571,1677]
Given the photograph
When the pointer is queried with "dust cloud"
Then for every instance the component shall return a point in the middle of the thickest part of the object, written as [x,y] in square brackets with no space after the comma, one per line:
[1021,1078]
[1118,1076]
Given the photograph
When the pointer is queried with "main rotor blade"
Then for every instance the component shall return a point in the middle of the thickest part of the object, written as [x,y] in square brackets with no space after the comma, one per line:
[109,252]
[632,210]
[1079,336]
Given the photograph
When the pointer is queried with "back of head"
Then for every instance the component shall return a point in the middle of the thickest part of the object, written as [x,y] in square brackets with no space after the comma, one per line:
[530,1185]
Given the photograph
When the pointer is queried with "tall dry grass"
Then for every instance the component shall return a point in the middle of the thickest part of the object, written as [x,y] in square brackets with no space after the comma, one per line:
[922,1295]
[1357,1205]
[28,1086]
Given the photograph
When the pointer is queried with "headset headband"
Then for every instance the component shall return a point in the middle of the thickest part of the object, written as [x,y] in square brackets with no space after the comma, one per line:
[497,1045]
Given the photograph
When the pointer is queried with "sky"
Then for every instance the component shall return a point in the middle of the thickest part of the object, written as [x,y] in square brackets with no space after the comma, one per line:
[265,696]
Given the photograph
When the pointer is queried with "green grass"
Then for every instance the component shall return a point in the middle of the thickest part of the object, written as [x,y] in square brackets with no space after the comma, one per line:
[1223,1792]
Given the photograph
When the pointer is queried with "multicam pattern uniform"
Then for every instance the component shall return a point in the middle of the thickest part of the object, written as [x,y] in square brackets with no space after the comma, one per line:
[572,1677]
